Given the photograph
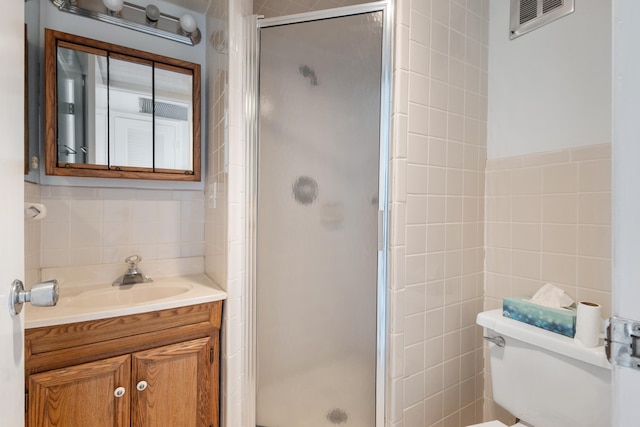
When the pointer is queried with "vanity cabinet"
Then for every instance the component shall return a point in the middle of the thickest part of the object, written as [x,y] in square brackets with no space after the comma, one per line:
[149,369]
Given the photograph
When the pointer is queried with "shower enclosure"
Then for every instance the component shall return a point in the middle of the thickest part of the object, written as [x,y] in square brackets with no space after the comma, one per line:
[319,210]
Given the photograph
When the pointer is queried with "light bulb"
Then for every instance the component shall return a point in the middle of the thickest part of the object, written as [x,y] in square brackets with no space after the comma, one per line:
[152,12]
[114,5]
[188,23]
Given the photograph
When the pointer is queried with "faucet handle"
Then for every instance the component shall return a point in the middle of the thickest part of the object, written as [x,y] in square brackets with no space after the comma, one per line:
[133,260]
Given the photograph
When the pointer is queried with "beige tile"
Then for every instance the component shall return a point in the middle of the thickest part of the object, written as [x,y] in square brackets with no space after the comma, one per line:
[559,269]
[436,209]
[595,176]
[472,183]
[416,239]
[525,264]
[526,209]
[559,238]
[433,380]
[498,208]
[543,159]
[451,318]
[434,324]
[437,123]
[594,273]
[453,236]
[521,286]
[498,261]
[434,350]
[451,345]
[416,179]
[434,295]
[437,152]
[594,240]
[435,266]
[471,207]
[594,208]
[497,285]
[470,261]
[560,178]
[416,209]
[498,183]
[454,182]
[437,181]
[454,209]
[498,235]
[524,236]
[436,238]
[526,181]
[417,149]
[504,163]
[562,208]
[415,269]
[591,152]
[453,263]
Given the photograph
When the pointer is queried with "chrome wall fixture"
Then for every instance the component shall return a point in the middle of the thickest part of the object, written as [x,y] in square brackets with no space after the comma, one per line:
[145,19]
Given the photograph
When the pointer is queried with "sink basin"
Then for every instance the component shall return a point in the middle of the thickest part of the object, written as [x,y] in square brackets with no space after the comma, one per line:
[126,295]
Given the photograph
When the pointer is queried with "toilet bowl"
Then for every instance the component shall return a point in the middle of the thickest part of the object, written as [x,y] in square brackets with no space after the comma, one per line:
[545,379]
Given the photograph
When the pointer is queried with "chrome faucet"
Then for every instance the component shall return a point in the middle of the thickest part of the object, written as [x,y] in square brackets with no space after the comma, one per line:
[133,274]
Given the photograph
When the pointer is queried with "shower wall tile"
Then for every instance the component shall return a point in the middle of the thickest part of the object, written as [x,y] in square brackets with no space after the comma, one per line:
[441,47]
[548,221]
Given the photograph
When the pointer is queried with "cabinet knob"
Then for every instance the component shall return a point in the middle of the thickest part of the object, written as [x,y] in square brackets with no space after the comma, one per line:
[141,385]
[119,392]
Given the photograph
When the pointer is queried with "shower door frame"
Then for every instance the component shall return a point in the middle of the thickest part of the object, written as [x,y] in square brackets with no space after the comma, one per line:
[253,24]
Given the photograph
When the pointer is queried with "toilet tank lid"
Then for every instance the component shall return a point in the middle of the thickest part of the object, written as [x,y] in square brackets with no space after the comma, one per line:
[551,341]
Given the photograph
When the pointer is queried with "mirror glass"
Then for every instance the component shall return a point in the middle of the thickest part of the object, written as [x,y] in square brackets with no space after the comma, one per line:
[120,113]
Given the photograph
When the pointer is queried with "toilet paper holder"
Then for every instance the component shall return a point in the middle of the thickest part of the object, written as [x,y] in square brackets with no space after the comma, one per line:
[622,342]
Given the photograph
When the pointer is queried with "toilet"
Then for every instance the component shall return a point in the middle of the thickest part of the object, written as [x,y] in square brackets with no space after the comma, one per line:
[545,379]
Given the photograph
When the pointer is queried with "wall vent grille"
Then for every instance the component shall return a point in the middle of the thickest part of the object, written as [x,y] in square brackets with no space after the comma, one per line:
[163,109]
[528,15]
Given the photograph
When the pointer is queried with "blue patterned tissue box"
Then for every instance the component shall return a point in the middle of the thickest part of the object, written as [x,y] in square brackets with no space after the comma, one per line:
[560,321]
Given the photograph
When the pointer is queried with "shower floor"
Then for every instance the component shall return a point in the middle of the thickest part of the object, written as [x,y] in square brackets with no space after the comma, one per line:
[336,394]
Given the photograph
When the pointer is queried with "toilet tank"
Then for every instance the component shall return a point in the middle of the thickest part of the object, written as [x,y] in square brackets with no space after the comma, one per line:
[546,379]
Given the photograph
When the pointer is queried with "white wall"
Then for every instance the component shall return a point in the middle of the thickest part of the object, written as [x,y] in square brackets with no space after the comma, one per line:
[550,89]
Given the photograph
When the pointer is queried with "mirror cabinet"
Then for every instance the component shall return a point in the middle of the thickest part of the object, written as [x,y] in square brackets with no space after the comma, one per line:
[116,112]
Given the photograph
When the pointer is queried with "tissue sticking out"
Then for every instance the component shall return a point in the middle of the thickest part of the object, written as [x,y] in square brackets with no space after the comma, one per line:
[552,296]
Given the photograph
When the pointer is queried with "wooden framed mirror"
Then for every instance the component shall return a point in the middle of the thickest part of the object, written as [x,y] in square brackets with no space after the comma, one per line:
[116,112]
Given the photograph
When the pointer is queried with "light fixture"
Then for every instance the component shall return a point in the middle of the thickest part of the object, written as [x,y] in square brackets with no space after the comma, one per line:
[114,6]
[148,19]
[189,27]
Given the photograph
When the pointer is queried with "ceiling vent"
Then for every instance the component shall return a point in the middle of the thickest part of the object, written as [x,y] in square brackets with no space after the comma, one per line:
[527,15]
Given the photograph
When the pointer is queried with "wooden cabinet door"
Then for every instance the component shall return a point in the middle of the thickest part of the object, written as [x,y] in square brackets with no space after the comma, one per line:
[177,391]
[81,395]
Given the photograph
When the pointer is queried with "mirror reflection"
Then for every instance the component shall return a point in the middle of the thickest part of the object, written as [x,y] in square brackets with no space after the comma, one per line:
[120,111]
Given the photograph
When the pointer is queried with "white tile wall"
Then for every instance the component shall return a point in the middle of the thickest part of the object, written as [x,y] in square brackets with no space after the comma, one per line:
[88,226]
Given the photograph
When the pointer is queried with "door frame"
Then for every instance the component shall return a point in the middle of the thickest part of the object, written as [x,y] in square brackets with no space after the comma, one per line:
[253,24]
[626,200]
[12,48]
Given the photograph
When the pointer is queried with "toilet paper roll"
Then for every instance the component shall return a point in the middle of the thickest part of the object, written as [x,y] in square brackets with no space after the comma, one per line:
[588,324]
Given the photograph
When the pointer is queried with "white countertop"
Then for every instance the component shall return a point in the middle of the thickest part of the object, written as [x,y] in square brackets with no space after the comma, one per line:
[92,302]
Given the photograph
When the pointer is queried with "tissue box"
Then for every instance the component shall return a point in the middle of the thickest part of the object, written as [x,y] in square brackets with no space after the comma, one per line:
[560,321]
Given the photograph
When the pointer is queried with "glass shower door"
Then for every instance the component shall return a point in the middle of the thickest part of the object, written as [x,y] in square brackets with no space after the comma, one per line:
[317,222]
